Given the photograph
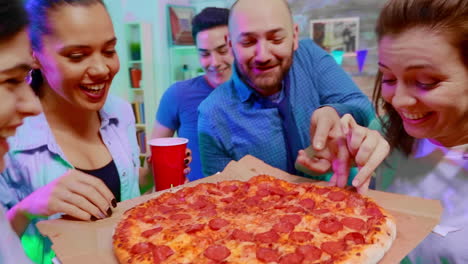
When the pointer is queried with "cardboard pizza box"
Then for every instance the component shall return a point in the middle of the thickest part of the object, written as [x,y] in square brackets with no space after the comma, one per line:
[91,242]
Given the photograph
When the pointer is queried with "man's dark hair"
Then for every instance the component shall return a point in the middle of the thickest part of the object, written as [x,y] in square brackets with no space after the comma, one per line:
[208,18]
[13,18]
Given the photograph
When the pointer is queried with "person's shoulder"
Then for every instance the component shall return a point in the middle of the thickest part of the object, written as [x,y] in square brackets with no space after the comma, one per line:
[218,98]
[117,108]
[308,53]
[22,139]
[308,45]
[186,84]
[114,104]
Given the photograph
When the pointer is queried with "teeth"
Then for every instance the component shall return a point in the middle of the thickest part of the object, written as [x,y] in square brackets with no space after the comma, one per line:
[413,116]
[94,87]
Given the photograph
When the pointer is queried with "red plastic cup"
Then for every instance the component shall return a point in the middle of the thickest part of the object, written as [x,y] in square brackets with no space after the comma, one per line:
[167,160]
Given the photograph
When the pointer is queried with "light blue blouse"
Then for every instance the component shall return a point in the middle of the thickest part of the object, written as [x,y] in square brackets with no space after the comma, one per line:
[35,159]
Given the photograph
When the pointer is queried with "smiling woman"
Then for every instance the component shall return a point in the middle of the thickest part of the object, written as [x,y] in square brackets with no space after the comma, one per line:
[80,157]
[423,63]
[18,102]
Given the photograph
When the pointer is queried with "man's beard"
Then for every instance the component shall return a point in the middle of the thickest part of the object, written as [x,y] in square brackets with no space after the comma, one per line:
[269,84]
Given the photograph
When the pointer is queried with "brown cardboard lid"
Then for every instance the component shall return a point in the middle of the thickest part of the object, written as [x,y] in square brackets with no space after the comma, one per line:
[91,242]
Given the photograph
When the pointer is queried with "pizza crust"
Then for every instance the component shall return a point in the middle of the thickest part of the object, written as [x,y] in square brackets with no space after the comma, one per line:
[373,253]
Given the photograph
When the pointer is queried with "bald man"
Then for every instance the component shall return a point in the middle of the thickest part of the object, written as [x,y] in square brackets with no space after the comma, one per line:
[281,89]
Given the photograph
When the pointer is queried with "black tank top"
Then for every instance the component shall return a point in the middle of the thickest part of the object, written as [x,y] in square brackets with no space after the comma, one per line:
[109,175]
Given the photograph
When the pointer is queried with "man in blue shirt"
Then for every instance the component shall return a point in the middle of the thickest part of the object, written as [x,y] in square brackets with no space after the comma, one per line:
[278,83]
[178,107]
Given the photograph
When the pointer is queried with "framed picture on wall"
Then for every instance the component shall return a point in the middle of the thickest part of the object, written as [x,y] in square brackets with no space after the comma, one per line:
[180,24]
[340,34]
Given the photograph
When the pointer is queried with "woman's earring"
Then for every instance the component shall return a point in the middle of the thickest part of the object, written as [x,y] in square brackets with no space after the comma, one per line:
[29,76]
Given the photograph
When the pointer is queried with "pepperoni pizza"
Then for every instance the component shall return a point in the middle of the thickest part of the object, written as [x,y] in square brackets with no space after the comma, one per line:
[263,220]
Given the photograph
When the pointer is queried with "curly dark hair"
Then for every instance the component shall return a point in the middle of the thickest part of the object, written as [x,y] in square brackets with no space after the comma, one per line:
[447,17]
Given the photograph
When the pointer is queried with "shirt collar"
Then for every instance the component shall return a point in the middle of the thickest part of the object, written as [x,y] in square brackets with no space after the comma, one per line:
[244,90]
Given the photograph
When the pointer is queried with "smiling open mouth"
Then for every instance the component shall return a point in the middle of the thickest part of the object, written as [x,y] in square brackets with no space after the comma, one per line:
[414,116]
[95,88]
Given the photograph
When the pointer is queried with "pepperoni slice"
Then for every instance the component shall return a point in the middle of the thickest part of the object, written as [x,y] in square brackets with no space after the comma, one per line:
[207,213]
[292,218]
[202,202]
[309,252]
[355,237]
[217,223]
[355,201]
[180,217]
[277,191]
[301,236]
[267,237]
[265,205]
[234,208]
[217,252]
[242,235]
[167,209]
[161,253]
[153,219]
[330,225]
[321,190]
[267,255]
[252,200]
[194,228]
[336,196]
[353,223]
[373,211]
[142,248]
[308,203]
[320,211]
[151,232]
[175,201]
[294,209]
[213,192]
[229,188]
[283,227]
[262,192]
[228,200]
[333,247]
[292,258]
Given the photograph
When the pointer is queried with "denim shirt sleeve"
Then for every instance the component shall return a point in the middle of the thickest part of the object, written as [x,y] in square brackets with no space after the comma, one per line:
[335,87]
[212,154]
